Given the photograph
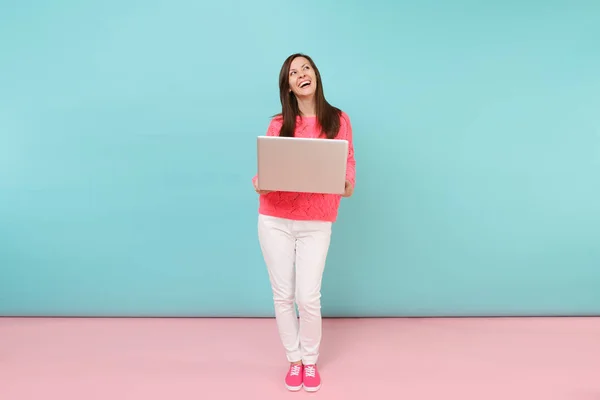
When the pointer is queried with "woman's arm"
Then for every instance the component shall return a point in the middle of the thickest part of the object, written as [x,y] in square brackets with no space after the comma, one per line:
[351,162]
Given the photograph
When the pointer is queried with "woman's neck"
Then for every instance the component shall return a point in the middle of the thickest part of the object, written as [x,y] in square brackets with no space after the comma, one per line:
[307,107]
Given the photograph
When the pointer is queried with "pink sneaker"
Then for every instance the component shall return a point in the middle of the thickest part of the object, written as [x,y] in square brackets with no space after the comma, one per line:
[312,379]
[293,379]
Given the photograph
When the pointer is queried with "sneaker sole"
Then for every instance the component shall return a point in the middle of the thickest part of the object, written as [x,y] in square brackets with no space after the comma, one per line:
[293,388]
[312,389]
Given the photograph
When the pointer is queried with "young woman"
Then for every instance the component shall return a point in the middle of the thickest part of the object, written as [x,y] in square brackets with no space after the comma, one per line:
[294,229]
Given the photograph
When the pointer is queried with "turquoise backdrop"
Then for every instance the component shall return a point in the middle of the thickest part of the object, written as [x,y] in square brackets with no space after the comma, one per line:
[127,147]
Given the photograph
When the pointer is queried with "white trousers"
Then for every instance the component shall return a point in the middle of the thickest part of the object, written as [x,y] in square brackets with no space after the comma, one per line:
[295,253]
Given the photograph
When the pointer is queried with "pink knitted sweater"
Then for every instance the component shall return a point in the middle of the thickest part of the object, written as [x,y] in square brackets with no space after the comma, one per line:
[308,206]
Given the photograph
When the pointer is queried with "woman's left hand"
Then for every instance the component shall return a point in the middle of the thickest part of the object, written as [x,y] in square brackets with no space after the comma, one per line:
[348,190]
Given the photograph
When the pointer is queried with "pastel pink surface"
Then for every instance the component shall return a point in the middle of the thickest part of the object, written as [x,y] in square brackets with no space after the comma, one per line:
[531,359]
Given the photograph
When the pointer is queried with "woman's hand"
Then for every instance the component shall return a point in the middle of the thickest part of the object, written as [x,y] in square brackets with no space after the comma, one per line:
[259,191]
[348,190]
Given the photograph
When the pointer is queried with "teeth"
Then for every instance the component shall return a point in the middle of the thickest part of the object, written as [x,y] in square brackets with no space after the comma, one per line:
[304,84]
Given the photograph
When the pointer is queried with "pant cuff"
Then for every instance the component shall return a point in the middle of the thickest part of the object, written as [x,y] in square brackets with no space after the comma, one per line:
[309,360]
[294,357]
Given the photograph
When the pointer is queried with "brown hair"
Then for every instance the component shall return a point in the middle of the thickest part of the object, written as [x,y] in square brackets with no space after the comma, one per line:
[328,116]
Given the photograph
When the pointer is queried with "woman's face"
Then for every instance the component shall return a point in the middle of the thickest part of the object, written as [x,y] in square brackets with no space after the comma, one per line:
[302,78]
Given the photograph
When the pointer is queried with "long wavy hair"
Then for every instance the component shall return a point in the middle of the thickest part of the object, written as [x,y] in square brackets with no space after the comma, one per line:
[328,116]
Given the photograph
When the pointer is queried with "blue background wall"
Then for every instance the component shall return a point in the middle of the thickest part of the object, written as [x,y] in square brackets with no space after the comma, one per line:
[127,145]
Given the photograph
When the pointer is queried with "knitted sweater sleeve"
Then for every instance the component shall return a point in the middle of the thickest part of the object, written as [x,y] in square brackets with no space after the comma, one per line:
[346,128]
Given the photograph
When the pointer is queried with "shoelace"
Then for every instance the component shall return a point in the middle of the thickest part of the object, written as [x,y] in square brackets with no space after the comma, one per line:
[310,371]
[295,370]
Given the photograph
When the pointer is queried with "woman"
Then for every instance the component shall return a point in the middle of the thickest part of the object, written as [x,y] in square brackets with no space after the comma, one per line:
[294,228]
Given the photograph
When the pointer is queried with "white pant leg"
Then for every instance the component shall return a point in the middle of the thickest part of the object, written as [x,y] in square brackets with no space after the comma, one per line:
[278,246]
[312,246]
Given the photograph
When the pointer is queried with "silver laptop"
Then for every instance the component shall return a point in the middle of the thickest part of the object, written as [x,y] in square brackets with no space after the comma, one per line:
[301,164]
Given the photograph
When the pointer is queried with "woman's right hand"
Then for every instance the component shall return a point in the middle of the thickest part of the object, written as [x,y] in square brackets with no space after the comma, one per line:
[255,183]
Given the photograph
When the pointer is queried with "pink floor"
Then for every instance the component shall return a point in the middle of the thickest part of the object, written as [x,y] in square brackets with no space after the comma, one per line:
[373,359]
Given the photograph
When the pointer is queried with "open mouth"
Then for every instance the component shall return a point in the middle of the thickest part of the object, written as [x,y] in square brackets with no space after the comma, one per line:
[304,84]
